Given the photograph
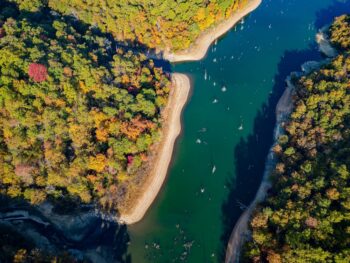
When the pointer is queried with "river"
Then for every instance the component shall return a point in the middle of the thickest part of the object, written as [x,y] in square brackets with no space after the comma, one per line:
[227,131]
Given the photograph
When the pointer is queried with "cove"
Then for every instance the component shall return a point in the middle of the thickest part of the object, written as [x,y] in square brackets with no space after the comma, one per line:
[227,131]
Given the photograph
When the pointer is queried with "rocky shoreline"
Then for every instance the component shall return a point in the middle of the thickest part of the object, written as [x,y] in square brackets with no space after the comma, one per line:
[86,234]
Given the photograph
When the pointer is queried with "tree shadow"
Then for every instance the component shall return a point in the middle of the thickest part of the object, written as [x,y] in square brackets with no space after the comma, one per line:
[326,16]
[251,152]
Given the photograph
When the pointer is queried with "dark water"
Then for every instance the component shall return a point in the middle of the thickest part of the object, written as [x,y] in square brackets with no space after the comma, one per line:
[231,114]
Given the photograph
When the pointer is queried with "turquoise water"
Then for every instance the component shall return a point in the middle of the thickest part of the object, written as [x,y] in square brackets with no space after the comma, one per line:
[227,130]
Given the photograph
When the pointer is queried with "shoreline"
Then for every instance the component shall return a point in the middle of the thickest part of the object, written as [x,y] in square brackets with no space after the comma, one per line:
[199,48]
[240,231]
[177,100]
[284,108]
[171,130]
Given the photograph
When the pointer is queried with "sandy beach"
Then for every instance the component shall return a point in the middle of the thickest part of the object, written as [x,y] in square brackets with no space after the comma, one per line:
[171,130]
[199,48]
[178,98]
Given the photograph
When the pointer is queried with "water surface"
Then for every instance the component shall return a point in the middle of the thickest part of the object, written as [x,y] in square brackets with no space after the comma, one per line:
[227,131]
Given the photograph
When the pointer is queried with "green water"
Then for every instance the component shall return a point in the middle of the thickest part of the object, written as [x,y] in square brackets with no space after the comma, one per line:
[197,207]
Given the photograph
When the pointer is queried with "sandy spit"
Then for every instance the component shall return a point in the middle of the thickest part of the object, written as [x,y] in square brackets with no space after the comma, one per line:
[177,100]
[171,130]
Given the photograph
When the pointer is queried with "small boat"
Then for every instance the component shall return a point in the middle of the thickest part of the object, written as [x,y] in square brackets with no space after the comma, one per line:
[202,190]
[223,89]
[213,170]
[240,128]
[215,101]
[205,75]
[198,141]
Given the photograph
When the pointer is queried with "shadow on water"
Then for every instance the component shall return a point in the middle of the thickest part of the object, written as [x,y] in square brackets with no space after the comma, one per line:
[249,155]
[326,16]
[251,152]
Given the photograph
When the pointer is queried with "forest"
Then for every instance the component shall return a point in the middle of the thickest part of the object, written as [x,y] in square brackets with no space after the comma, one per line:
[78,115]
[156,24]
[306,217]
[80,112]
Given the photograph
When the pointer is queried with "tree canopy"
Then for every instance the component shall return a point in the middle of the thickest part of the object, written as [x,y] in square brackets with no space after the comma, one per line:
[77,115]
[160,24]
[306,217]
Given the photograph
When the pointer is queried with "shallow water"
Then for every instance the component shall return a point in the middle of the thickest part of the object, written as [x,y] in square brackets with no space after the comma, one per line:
[227,131]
